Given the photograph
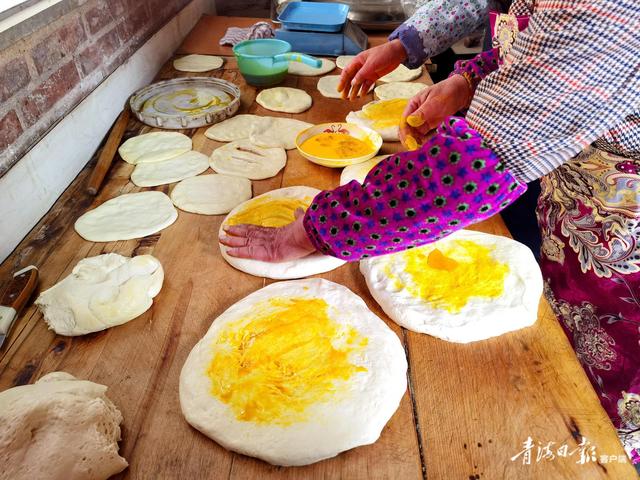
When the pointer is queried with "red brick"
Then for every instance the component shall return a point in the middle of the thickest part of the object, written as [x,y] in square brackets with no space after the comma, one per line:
[134,24]
[100,53]
[73,34]
[14,75]
[98,17]
[10,129]
[61,43]
[45,96]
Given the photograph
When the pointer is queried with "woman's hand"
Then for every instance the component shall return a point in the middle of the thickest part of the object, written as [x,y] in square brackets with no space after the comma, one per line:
[269,244]
[426,110]
[368,66]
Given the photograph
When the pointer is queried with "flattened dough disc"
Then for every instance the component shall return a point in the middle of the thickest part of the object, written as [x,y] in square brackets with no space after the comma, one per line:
[299,68]
[175,169]
[154,147]
[284,99]
[197,63]
[244,159]
[211,194]
[234,128]
[387,91]
[344,60]
[359,171]
[402,74]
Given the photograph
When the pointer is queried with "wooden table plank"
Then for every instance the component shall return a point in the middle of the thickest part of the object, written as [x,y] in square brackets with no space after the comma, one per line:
[493,393]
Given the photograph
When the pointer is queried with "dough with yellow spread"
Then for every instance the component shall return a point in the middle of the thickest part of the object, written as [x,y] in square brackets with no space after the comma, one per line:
[294,373]
[275,209]
[383,116]
[59,428]
[466,287]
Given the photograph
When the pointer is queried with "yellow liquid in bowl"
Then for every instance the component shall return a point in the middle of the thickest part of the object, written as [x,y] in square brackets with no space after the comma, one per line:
[336,146]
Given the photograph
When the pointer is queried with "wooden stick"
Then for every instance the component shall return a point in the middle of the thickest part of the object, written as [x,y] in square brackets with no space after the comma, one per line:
[108,152]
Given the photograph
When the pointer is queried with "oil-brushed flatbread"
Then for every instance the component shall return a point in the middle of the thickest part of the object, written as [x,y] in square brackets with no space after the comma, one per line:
[275,209]
[284,99]
[211,194]
[244,159]
[175,169]
[466,287]
[294,373]
[383,116]
[154,147]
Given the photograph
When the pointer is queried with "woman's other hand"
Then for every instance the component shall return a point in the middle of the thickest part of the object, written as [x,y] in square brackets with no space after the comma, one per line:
[269,244]
[368,66]
[426,110]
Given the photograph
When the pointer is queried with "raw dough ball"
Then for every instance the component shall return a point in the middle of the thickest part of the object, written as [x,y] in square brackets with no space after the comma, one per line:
[244,159]
[59,428]
[344,60]
[197,63]
[284,99]
[132,215]
[402,74]
[275,209]
[211,194]
[359,171]
[299,68]
[324,377]
[466,287]
[277,132]
[101,292]
[154,147]
[391,90]
[383,116]
[263,131]
[175,169]
[328,86]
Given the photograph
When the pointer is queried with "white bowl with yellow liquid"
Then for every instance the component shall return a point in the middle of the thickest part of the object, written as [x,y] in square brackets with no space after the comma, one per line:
[338,144]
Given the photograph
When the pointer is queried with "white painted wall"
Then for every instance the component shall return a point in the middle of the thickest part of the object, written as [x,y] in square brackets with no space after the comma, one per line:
[32,186]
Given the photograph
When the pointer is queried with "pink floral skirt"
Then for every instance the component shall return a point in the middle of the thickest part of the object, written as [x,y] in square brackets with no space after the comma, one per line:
[589,216]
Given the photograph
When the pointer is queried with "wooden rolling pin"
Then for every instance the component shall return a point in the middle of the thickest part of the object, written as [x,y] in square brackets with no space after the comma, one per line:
[108,152]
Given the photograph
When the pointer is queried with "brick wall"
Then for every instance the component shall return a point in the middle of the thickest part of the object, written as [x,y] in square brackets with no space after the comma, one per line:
[45,74]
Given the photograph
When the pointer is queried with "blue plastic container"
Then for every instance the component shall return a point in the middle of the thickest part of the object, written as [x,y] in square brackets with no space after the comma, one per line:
[314,16]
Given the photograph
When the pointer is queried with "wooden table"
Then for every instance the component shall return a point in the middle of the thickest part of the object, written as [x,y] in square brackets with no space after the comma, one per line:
[468,408]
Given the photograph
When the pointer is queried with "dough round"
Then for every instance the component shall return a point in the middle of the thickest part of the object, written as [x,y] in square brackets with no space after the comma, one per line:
[328,86]
[402,74]
[359,171]
[391,90]
[243,159]
[132,215]
[263,131]
[383,116]
[466,287]
[197,63]
[274,209]
[284,99]
[299,68]
[101,292]
[59,428]
[154,147]
[289,406]
[344,60]
[175,169]
[211,194]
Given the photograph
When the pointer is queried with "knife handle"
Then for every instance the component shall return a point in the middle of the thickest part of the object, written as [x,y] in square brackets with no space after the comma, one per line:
[20,288]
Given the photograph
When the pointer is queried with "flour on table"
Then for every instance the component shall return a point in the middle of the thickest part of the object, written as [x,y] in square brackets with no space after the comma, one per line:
[175,169]
[275,209]
[299,68]
[244,159]
[59,428]
[359,171]
[197,63]
[129,216]
[154,147]
[325,377]
[101,292]
[284,99]
[211,194]
[466,287]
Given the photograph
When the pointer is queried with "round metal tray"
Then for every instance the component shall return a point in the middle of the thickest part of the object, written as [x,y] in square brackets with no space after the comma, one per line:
[189,102]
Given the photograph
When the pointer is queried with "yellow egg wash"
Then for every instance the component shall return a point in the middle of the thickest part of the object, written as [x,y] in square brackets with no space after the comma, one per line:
[288,355]
[336,145]
[270,212]
[447,277]
[385,113]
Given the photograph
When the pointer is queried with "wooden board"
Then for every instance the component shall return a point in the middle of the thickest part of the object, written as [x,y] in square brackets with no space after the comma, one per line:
[468,407]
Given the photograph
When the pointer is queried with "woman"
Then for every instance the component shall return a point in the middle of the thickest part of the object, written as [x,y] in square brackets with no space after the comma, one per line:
[570,79]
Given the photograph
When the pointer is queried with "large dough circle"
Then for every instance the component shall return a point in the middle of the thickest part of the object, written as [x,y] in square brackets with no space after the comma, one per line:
[402,74]
[244,159]
[387,91]
[154,147]
[303,267]
[382,116]
[263,131]
[175,169]
[284,99]
[299,68]
[458,308]
[211,194]
[197,63]
[298,412]
[132,215]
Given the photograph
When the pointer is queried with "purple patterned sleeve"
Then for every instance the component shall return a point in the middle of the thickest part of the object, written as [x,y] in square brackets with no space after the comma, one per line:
[413,198]
[475,69]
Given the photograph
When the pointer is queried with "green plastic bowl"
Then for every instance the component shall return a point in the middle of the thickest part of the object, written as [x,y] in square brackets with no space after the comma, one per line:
[265,62]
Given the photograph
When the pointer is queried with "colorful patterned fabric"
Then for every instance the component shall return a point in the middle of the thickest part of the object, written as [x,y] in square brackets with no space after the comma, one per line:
[437,25]
[477,68]
[504,29]
[570,78]
[413,198]
[235,35]
[589,215]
